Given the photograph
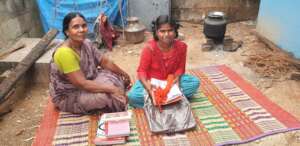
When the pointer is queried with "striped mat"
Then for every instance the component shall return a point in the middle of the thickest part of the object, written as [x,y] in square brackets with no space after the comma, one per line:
[228,110]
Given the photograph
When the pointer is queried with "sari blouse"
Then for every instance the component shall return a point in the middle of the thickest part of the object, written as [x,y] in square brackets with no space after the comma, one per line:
[157,64]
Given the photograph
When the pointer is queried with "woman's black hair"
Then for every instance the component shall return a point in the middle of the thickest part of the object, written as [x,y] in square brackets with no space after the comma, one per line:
[68,18]
[164,19]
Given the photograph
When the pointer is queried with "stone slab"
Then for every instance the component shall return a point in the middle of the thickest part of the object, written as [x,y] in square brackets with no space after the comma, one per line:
[39,73]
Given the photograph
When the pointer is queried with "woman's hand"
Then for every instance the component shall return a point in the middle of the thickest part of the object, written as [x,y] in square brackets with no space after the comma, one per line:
[151,93]
[125,77]
[118,92]
[109,65]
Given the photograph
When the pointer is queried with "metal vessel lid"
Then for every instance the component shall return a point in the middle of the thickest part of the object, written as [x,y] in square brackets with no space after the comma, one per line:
[132,19]
[134,25]
[216,14]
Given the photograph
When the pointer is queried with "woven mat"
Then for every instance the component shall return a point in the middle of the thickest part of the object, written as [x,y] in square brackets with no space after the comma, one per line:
[227,109]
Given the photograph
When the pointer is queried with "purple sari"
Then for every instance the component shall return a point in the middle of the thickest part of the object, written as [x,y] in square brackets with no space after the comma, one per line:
[66,97]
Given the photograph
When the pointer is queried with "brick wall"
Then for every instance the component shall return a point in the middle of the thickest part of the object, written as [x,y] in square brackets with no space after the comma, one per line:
[194,10]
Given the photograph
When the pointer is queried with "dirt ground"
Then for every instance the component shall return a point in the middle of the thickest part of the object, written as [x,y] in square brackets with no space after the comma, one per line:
[18,127]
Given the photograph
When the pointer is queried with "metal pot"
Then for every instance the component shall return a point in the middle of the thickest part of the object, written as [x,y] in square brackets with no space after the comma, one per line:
[215,25]
[134,32]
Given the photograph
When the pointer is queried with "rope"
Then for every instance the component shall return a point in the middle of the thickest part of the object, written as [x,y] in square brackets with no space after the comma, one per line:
[123,24]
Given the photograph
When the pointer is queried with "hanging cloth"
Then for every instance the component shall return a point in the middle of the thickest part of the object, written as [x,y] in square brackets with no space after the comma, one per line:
[107,32]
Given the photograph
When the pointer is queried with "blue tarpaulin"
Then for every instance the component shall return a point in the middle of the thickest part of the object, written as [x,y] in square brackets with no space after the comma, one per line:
[52,12]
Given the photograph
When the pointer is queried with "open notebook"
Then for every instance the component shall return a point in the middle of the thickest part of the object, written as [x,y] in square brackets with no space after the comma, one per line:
[174,94]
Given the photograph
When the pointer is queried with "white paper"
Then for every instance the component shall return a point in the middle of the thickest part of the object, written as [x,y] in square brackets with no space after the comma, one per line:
[174,91]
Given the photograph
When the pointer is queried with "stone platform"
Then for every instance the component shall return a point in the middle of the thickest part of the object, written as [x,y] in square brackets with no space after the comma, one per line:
[39,72]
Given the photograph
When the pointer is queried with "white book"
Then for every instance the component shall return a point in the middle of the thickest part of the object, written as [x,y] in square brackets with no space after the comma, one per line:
[174,91]
[116,116]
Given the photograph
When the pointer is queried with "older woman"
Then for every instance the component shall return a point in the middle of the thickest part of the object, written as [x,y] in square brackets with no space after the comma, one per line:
[83,80]
[162,56]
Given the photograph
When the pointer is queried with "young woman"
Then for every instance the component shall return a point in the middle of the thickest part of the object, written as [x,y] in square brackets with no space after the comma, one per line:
[162,56]
[82,80]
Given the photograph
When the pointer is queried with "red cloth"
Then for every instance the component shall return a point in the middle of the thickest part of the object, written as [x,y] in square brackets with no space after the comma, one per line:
[108,34]
[161,94]
[156,64]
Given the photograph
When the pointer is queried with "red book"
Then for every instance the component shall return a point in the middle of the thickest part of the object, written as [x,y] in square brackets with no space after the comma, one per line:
[109,141]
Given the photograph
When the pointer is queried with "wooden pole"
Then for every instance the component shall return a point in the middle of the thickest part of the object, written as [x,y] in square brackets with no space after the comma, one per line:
[37,51]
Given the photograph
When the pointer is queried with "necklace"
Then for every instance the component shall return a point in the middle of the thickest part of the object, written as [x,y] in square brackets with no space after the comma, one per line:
[72,46]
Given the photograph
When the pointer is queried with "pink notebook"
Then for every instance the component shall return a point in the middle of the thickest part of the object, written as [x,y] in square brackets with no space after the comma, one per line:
[101,138]
[117,128]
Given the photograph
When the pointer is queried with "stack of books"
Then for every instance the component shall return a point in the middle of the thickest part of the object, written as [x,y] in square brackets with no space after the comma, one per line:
[113,128]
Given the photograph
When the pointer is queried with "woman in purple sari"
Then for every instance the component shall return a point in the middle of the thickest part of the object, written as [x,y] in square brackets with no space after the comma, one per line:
[83,80]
